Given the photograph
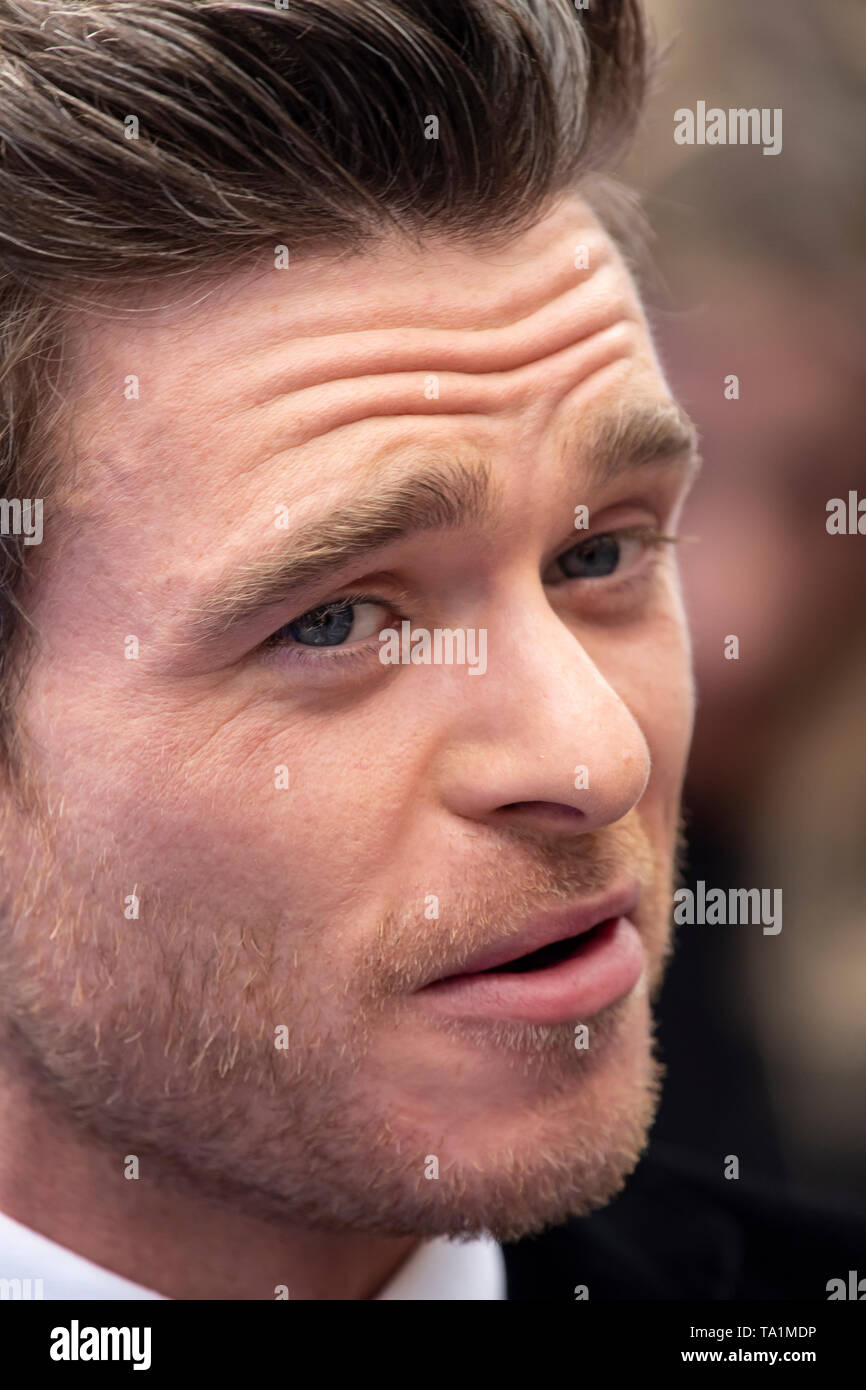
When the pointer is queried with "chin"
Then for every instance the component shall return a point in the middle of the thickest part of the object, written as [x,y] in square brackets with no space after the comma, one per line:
[511,1165]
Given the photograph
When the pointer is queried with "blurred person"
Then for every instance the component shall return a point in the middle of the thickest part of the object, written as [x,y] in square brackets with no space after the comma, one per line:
[756,280]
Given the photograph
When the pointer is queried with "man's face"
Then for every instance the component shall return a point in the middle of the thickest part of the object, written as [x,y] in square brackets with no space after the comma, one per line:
[308,835]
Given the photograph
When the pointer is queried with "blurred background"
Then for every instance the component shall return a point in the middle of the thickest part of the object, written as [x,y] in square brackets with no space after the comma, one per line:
[759,271]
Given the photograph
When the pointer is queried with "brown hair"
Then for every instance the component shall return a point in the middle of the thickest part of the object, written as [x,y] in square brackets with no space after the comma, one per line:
[258,124]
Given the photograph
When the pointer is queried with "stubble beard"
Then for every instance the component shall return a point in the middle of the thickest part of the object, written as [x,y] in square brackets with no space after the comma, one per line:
[161,1043]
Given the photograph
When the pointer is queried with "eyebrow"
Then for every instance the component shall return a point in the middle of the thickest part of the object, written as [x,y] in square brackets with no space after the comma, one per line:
[452,488]
[635,438]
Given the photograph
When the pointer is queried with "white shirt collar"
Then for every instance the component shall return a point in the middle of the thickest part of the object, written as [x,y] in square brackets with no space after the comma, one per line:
[443,1269]
[439,1269]
[52,1271]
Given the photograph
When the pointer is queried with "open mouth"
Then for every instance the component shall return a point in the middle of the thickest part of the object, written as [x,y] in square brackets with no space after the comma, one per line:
[572,978]
[557,951]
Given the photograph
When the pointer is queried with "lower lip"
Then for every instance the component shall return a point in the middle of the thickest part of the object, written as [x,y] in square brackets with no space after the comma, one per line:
[606,968]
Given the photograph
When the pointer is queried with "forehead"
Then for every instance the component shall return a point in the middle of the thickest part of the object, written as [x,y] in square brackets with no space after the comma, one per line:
[248,391]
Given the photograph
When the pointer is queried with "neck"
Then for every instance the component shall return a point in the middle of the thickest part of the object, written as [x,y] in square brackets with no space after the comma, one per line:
[61,1182]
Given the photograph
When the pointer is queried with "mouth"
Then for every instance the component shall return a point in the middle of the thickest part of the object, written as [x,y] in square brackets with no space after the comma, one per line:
[571,967]
[567,949]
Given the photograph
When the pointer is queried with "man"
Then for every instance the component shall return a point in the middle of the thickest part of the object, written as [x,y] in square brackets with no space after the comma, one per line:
[347,696]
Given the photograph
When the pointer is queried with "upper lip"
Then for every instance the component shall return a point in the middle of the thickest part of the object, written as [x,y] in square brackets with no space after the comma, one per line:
[546,929]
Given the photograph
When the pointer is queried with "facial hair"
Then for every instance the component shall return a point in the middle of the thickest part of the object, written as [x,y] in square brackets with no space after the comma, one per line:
[157,1037]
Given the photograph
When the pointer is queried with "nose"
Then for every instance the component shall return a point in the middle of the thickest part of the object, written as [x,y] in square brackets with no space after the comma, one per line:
[542,738]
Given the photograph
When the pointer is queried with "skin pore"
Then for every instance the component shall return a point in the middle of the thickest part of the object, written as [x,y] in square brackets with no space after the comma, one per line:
[282,812]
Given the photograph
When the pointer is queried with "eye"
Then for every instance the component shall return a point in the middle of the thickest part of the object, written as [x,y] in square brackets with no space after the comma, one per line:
[333,624]
[610,552]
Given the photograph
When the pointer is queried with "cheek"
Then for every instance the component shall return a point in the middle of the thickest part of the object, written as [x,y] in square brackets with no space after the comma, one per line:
[253,808]
[670,731]
[657,685]
[222,802]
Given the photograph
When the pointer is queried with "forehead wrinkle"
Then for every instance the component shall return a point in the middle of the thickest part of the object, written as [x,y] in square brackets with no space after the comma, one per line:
[295,419]
[377,354]
[477,296]
[573,312]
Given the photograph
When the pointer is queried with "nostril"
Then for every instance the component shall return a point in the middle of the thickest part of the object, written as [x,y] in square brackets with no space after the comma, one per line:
[547,810]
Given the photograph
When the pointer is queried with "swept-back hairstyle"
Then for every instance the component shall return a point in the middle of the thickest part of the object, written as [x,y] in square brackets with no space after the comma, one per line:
[159,138]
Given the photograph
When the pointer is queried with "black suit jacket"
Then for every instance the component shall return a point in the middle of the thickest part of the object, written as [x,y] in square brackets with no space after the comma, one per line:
[678,1231]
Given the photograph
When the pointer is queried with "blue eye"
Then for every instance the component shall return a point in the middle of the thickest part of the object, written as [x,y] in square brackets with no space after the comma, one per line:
[593,558]
[326,626]
[333,624]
